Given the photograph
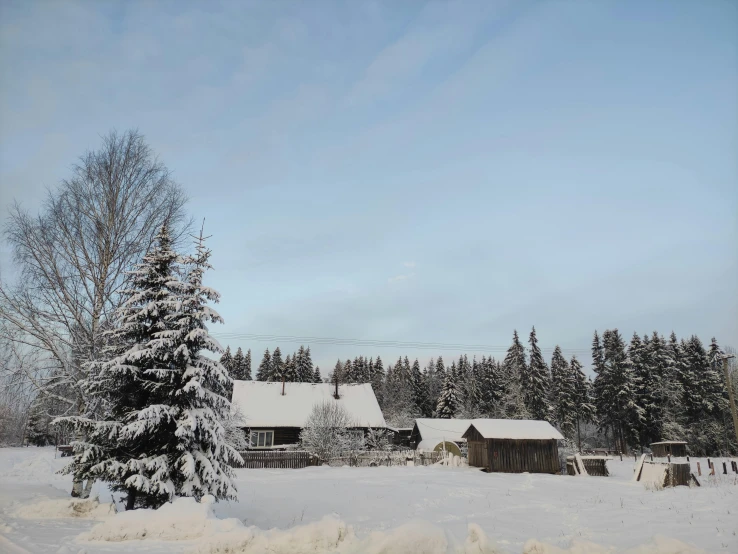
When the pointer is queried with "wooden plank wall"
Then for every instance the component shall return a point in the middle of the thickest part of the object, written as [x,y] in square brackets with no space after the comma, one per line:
[514,456]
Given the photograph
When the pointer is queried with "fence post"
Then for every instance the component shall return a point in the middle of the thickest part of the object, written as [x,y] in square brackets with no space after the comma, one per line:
[699,469]
[725,468]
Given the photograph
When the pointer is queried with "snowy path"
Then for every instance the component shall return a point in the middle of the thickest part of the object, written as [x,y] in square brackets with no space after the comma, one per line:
[511,509]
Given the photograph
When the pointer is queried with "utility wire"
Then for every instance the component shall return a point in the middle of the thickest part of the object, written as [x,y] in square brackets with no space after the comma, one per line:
[335,341]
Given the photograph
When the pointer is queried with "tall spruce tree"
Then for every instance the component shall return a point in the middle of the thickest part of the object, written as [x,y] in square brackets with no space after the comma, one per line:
[162,436]
[277,366]
[246,370]
[289,371]
[377,380]
[624,408]
[226,360]
[536,382]
[238,365]
[449,401]
[562,393]
[264,372]
[125,384]
[316,375]
[585,408]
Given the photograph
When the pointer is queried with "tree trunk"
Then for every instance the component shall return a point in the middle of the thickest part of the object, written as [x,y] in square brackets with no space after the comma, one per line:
[88,488]
[131,500]
[579,436]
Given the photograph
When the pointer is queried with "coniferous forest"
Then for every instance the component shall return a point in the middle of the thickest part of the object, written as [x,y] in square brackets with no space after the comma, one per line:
[644,390]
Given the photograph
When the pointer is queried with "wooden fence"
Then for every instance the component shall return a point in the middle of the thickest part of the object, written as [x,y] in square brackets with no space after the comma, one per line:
[297,459]
[268,459]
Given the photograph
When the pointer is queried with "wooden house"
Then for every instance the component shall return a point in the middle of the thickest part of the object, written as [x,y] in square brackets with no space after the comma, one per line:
[513,446]
[275,413]
[669,448]
[436,435]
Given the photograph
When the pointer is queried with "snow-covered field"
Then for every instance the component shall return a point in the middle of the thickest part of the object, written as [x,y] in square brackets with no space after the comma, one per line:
[376,510]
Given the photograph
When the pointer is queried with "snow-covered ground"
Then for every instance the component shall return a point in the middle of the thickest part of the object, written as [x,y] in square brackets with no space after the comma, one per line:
[388,510]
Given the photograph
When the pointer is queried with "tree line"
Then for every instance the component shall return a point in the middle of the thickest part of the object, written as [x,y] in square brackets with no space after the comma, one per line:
[647,390]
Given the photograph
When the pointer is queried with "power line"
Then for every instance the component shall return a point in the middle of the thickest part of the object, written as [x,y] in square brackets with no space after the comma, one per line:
[335,341]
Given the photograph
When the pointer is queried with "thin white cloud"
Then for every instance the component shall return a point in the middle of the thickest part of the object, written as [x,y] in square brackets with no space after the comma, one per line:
[403,277]
[409,264]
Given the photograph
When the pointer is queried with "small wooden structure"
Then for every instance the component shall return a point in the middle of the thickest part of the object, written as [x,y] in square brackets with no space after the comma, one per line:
[669,448]
[513,446]
[594,465]
[400,436]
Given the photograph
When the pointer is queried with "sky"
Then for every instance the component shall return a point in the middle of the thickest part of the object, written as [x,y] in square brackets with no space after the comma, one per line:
[440,172]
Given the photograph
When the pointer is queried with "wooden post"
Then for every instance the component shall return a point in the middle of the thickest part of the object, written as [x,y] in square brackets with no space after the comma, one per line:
[699,469]
[709,463]
[621,456]
[282,385]
[725,468]
[668,458]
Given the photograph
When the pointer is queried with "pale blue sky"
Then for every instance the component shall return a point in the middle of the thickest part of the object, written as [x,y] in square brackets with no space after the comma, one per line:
[435,172]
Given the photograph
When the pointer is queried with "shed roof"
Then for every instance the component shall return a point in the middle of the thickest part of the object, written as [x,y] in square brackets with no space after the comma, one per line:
[442,429]
[669,442]
[263,405]
[520,429]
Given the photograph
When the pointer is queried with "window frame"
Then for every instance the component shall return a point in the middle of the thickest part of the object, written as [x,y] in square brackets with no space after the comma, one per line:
[257,434]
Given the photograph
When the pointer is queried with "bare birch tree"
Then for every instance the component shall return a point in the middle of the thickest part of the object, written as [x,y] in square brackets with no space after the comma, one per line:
[73,258]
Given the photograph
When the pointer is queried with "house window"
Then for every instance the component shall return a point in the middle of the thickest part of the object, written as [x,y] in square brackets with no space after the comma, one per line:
[262,439]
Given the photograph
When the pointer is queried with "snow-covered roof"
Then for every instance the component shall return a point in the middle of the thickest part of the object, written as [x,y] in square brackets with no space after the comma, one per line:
[429,445]
[442,429]
[263,405]
[531,429]
[669,442]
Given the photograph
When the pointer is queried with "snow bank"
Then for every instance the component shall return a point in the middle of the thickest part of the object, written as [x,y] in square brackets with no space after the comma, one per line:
[657,545]
[64,508]
[186,519]
[39,465]
[182,519]
[331,535]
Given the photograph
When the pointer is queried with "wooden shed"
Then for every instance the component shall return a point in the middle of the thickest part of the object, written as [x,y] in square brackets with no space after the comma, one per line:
[513,446]
[669,448]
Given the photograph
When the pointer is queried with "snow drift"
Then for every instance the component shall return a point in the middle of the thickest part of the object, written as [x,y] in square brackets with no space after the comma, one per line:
[64,508]
[186,519]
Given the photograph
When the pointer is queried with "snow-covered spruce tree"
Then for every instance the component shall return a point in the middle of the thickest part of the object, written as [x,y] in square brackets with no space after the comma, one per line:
[639,353]
[449,401]
[304,365]
[584,407]
[563,394]
[245,371]
[536,382]
[226,360]
[377,379]
[419,387]
[277,366]
[186,453]
[316,375]
[236,364]
[124,385]
[628,414]
[265,367]
[514,362]
[347,373]
[289,373]
[512,404]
